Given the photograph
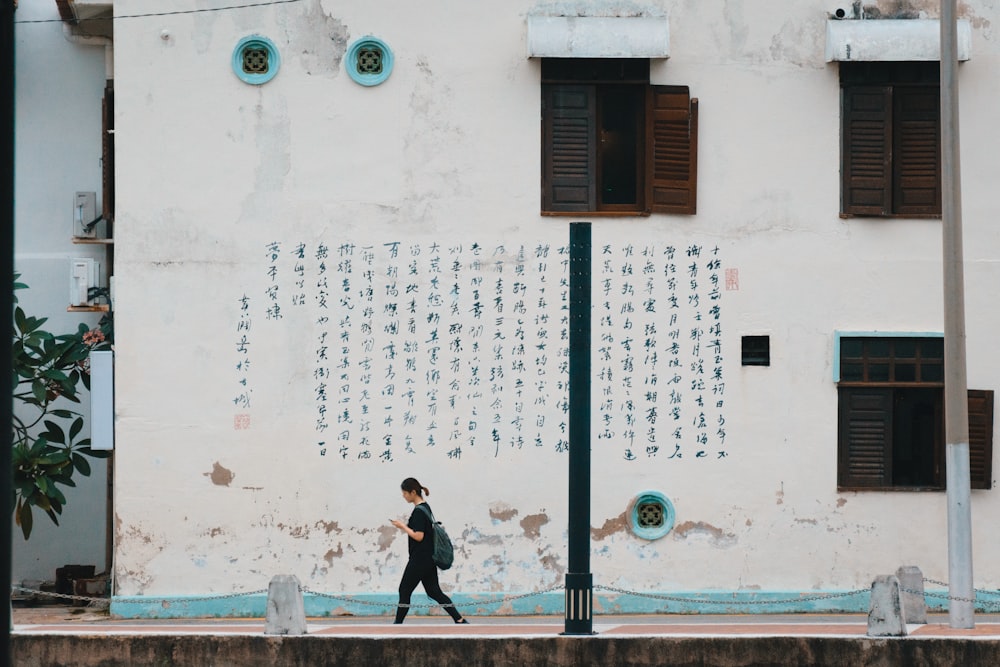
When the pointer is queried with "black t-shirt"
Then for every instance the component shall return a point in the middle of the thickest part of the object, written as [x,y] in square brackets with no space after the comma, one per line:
[420,522]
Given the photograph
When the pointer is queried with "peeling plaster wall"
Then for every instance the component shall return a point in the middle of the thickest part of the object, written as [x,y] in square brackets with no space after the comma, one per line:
[211,170]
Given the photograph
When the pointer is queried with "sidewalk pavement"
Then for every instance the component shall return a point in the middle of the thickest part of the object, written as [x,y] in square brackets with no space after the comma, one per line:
[59,620]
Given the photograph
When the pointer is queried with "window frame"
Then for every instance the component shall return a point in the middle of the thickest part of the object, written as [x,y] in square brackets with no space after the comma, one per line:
[866,413]
[573,97]
[890,157]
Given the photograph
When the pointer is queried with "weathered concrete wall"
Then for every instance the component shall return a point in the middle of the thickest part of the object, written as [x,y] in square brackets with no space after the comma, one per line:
[83,651]
[292,464]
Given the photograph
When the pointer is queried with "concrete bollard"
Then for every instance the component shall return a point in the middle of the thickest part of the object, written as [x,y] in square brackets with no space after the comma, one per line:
[911,588]
[286,613]
[885,611]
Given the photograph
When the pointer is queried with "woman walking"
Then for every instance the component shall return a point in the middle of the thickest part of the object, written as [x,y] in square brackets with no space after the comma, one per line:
[420,569]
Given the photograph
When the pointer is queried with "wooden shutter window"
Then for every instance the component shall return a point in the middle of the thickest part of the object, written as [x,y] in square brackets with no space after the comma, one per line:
[865,438]
[569,149]
[672,122]
[865,434]
[867,150]
[981,438]
[917,158]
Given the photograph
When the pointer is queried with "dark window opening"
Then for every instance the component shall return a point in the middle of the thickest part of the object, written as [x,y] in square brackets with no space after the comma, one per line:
[620,117]
[108,156]
[891,416]
[916,437]
[612,143]
[892,360]
[891,139]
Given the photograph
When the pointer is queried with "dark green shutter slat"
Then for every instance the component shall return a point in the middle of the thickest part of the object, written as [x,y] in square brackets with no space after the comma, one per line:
[981,438]
[867,150]
[865,438]
[673,157]
[569,148]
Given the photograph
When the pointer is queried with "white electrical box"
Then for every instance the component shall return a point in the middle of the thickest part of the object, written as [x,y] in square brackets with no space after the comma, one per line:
[84,273]
[85,215]
[102,400]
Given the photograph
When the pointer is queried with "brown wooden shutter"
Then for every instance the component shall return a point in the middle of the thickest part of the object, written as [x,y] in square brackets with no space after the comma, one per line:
[866,155]
[865,438]
[672,158]
[108,155]
[569,148]
[917,156]
[65,12]
[981,438]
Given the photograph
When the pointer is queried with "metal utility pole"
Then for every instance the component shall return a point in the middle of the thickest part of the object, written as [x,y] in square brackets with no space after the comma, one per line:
[579,580]
[961,606]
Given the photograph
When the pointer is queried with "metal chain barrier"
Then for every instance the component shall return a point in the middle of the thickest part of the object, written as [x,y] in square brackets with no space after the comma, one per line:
[102,602]
[98,602]
[938,596]
[674,598]
[201,598]
[477,603]
[341,598]
[91,601]
[945,585]
[947,596]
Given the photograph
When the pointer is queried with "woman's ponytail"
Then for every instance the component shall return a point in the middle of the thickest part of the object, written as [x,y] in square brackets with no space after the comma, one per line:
[411,485]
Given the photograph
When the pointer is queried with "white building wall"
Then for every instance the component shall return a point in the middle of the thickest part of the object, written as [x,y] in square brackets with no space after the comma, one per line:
[212,170]
[58,89]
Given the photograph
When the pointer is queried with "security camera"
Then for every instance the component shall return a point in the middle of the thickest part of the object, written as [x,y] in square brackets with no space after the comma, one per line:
[850,12]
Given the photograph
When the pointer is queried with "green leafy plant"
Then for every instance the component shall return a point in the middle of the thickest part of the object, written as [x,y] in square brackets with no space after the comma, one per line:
[47,449]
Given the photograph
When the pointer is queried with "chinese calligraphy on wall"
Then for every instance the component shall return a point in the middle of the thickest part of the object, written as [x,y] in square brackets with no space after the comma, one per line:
[461,349]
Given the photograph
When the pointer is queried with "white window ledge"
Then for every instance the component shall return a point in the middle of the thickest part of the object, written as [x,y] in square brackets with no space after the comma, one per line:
[891,39]
[598,37]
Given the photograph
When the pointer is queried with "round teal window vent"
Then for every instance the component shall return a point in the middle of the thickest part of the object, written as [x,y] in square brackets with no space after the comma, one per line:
[652,515]
[369,61]
[256,60]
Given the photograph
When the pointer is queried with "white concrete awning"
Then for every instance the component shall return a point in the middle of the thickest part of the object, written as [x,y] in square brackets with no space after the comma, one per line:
[87,18]
[891,39]
[598,37]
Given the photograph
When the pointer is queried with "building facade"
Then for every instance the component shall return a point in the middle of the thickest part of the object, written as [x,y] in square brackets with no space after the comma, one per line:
[342,247]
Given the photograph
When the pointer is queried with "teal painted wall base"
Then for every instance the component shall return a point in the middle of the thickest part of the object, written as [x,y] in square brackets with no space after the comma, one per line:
[254,605]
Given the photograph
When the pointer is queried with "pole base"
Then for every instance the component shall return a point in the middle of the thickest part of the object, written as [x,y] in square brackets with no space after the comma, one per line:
[579,604]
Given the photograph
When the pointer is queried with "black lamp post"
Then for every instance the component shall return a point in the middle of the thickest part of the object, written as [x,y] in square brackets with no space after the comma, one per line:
[579,580]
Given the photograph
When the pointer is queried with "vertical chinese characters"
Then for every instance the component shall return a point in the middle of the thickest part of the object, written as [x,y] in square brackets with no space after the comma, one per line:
[241,400]
[460,348]
[658,351]
[321,374]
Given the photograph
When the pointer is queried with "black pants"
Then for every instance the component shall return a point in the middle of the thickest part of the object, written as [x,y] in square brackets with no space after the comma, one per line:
[426,573]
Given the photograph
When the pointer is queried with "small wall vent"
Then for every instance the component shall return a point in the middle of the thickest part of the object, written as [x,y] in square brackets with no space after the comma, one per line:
[756,351]
[255,60]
